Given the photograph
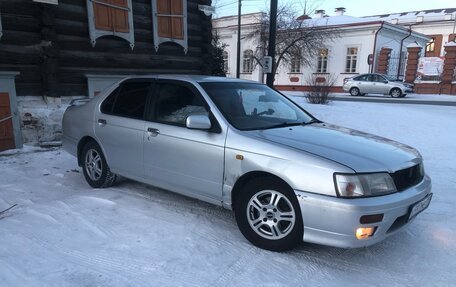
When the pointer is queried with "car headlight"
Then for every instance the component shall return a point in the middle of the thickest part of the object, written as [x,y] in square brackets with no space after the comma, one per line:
[359,185]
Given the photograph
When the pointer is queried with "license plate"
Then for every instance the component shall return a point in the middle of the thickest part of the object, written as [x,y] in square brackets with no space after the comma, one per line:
[420,206]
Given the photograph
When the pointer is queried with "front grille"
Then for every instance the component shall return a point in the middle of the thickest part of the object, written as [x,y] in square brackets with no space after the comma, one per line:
[408,177]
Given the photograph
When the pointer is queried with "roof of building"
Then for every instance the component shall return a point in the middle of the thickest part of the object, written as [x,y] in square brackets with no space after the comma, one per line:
[434,14]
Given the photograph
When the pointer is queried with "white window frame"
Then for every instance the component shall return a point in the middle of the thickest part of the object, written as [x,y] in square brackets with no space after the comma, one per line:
[247,62]
[159,40]
[322,61]
[295,65]
[353,58]
[97,33]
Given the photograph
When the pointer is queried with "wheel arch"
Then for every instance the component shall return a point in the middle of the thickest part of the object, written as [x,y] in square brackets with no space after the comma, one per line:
[399,88]
[242,180]
[81,145]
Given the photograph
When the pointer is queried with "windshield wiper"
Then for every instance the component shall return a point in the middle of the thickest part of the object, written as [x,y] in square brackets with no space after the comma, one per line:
[312,121]
[290,124]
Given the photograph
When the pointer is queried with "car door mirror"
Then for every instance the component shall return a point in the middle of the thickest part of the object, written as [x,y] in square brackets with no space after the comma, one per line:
[385,82]
[198,122]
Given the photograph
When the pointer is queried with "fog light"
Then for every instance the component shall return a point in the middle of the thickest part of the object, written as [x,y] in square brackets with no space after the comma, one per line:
[364,232]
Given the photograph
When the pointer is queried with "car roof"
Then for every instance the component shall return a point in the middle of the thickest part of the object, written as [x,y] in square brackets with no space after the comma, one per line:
[191,78]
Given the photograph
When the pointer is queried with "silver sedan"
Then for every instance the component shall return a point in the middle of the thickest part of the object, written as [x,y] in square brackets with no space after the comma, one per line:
[288,176]
[376,84]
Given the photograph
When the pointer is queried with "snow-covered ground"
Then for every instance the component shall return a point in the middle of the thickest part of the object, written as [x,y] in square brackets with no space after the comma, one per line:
[63,233]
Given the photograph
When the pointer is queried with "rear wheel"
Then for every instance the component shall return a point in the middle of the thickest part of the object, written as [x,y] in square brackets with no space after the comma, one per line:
[95,168]
[396,93]
[268,214]
[354,92]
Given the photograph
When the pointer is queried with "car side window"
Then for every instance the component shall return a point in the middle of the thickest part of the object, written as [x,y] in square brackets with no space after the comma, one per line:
[362,78]
[380,79]
[131,100]
[108,103]
[174,103]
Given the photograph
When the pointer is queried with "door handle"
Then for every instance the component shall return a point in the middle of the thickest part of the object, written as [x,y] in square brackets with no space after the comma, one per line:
[153,132]
[102,122]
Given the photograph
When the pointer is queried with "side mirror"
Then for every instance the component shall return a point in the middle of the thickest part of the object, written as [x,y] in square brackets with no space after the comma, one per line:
[198,122]
[386,82]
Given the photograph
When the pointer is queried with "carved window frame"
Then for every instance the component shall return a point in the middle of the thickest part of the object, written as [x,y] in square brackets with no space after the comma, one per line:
[97,33]
[158,40]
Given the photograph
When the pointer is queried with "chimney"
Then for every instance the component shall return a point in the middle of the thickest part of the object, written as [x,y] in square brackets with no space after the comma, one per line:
[340,11]
[319,13]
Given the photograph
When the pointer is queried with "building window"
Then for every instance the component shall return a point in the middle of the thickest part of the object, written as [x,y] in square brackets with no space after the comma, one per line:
[430,46]
[322,61]
[433,47]
[169,19]
[352,59]
[225,62]
[295,65]
[110,18]
[247,62]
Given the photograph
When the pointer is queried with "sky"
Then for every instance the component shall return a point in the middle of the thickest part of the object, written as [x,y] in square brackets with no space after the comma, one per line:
[353,7]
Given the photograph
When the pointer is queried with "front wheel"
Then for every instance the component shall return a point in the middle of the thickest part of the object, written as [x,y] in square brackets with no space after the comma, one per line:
[268,214]
[396,93]
[96,170]
[354,92]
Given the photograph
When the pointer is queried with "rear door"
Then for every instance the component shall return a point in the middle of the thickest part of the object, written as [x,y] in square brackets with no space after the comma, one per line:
[119,127]
[184,160]
[363,83]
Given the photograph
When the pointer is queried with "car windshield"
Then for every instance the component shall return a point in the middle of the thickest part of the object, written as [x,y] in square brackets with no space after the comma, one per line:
[251,106]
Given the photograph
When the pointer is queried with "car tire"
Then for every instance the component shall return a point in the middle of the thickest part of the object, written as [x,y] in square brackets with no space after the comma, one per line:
[95,168]
[396,93]
[268,214]
[354,92]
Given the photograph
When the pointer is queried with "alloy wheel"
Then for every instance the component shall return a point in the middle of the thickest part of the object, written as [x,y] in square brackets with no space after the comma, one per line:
[270,214]
[93,164]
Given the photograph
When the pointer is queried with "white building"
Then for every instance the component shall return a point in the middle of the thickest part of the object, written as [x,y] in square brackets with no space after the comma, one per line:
[360,39]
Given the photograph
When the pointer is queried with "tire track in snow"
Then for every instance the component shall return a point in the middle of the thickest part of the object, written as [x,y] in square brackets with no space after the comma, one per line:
[236,268]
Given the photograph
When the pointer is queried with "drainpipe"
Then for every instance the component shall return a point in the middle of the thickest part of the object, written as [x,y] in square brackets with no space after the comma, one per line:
[375,46]
[400,52]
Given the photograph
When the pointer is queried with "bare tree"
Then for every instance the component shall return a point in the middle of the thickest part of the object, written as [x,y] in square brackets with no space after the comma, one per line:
[298,38]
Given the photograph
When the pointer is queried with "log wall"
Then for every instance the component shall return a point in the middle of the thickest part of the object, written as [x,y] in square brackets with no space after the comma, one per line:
[50,46]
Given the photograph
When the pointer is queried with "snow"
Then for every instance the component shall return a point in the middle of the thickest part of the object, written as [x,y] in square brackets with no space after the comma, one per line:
[63,233]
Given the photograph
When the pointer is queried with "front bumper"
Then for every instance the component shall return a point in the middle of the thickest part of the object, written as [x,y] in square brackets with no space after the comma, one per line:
[333,221]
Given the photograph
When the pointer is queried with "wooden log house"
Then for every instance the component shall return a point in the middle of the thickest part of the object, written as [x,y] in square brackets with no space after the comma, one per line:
[63,48]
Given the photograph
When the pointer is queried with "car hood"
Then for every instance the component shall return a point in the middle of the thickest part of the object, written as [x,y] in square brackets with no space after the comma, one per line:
[357,150]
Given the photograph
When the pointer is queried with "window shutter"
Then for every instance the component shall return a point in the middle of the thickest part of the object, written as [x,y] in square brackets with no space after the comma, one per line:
[164,22]
[170,22]
[177,19]
[120,16]
[102,15]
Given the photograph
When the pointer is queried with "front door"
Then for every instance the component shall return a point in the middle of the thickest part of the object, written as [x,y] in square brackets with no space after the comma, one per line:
[177,158]
[6,123]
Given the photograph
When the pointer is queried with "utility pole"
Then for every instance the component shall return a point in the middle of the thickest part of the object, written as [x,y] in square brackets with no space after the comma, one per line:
[238,58]
[272,42]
